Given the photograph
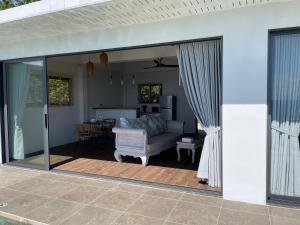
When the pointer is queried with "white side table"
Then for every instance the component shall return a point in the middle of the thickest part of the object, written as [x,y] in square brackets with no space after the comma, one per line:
[191,147]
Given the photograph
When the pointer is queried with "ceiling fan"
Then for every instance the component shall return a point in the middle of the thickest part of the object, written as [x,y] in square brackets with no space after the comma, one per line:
[158,64]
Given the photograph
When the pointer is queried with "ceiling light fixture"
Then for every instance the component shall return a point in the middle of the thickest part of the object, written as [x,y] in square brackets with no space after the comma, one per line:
[104,60]
[90,67]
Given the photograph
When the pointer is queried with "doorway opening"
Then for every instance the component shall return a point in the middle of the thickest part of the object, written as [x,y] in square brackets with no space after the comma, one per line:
[122,113]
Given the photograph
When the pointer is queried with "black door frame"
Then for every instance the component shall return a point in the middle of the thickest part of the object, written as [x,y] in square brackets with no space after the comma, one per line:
[272,197]
[46,165]
[45,57]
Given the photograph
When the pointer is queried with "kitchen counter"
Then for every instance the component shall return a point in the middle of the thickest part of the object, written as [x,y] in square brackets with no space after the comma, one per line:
[115,113]
[114,108]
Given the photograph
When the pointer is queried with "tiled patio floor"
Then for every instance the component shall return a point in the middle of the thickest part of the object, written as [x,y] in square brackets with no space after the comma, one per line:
[50,198]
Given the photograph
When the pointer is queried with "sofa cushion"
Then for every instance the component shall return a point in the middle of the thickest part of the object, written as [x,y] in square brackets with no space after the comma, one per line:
[162,140]
[138,123]
[156,123]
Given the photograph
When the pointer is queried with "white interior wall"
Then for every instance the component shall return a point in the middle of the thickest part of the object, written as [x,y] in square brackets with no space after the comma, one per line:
[169,78]
[100,92]
[245,45]
[62,119]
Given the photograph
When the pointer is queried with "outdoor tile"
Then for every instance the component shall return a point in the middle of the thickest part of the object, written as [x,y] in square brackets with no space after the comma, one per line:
[53,211]
[132,219]
[194,214]
[75,179]
[9,169]
[202,199]
[8,195]
[23,204]
[57,189]
[291,213]
[284,221]
[233,217]
[152,206]
[31,185]
[61,177]
[244,207]
[100,183]
[30,172]
[164,193]
[92,215]
[132,188]
[11,178]
[83,194]
[117,200]
[48,188]
[171,223]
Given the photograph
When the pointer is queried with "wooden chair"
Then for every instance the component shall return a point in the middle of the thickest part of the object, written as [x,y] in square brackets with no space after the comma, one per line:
[96,130]
[83,131]
[107,126]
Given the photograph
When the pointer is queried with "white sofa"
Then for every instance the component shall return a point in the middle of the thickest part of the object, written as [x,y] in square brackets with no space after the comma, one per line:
[135,142]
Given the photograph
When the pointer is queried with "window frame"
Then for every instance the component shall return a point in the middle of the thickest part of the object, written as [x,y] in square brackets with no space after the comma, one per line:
[150,88]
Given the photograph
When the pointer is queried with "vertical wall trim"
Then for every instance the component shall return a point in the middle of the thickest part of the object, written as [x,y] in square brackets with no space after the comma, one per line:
[2,148]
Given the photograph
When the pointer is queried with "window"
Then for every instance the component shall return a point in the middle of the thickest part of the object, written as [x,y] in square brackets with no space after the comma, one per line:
[35,93]
[60,90]
[149,93]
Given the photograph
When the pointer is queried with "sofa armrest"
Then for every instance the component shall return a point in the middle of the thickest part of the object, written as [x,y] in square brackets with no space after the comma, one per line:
[118,130]
[130,138]
[174,126]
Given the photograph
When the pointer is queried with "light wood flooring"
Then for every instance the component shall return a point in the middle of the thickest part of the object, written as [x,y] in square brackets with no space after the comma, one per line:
[98,159]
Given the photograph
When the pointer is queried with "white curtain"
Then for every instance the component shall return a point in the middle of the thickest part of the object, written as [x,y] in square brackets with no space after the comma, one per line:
[18,76]
[285,159]
[200,74]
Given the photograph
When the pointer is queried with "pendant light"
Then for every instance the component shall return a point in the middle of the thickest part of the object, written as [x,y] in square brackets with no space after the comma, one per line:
[104,60]
[110,80]
[133,76]
[90,68]
[122,80]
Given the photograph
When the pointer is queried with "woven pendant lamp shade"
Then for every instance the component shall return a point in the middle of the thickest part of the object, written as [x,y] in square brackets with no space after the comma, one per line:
[104,60]
[90,68]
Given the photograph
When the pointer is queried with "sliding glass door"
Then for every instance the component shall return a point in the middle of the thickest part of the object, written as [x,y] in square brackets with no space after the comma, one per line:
[285,115]
[26,113]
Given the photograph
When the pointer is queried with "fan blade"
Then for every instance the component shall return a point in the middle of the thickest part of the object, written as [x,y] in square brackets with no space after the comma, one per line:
[150,67]
[169,65]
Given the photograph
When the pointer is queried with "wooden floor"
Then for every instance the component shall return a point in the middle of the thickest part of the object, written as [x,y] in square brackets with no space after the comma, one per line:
[98,159]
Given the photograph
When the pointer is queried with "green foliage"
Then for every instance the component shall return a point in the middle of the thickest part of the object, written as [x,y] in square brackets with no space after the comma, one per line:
[5,4]
[59,91]
[149,93]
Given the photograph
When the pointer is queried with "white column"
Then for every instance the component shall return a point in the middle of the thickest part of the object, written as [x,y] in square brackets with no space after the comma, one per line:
[244,114]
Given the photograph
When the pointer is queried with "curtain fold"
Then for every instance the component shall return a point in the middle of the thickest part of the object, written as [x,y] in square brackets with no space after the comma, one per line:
[200,74]
[18,86]
[285,114]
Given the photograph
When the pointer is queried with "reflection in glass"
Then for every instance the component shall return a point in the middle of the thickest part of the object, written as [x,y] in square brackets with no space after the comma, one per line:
[285,115]
[25,96]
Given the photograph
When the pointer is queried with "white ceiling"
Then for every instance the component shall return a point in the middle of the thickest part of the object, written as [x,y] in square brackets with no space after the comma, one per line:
[114,13]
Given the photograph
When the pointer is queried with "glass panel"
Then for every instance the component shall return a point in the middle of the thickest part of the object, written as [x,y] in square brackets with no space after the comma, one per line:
[156,90]
[26,110]
[285,115]
[144,93]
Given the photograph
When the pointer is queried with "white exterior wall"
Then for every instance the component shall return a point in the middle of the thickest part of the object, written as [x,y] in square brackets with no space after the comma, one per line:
[245,44]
